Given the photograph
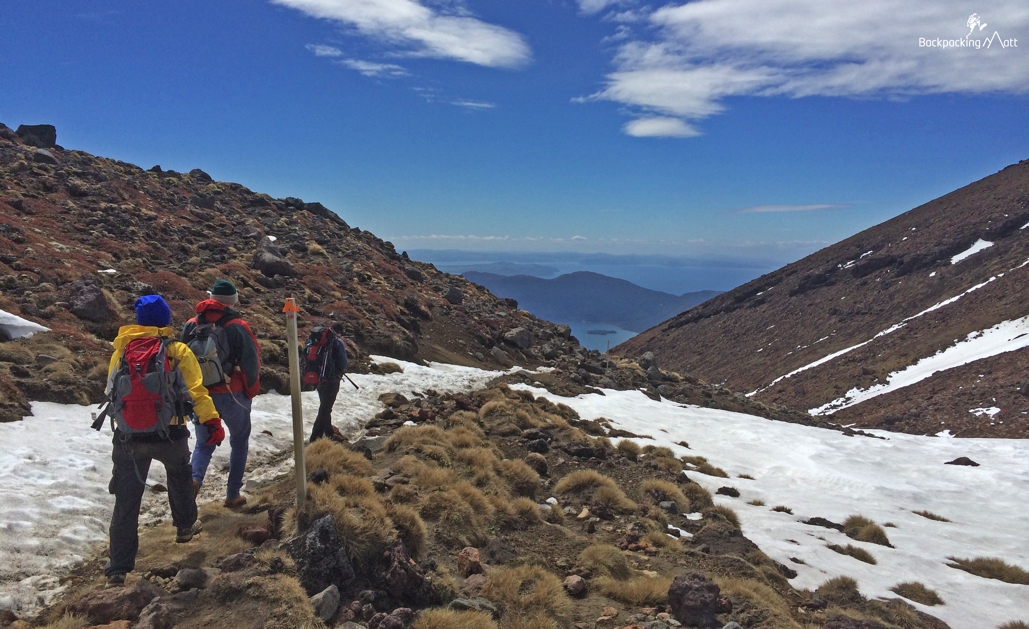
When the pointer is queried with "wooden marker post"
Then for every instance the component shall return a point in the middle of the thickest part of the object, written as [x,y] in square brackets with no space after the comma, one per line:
[291,311]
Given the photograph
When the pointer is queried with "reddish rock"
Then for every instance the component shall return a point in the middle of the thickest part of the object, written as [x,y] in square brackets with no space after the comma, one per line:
[575,586]
[255,534]
[468,562]
[105,606]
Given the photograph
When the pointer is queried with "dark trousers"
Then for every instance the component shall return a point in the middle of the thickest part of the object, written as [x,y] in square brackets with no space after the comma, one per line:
[327,392]
[131,465]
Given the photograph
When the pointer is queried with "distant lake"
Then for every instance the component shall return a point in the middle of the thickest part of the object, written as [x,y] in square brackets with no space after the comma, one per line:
[599,341]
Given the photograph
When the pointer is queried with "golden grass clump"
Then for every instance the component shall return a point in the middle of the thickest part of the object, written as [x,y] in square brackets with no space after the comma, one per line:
[464,437]
[428,440]
[659,539]
[387,368]
[639,590]
[782,509]
[613,498]
[840,590]
[864,530]
[314,249]
[325,454]
[759,593]
[455,518]
[581,481]
[653,451]
[467,420]
[746,476]
[607,560]
[918,592]
[932,516]
[727,513]
[361,520]
[494,407]
[756,502]
[475,499]
[352,486]
[425,476]
[526,511]
[668,464]
[661,490]
[522,479]
[69,621]
[410,528]
[629,449]
[531,621]
[553,515]
[991,568]
[451,619]
[527,591]
[853,551]
[699,497]
[711,470]
[1014,624]
[403,494]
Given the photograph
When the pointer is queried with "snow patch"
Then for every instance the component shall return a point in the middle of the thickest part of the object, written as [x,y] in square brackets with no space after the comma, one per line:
[18,328]
[108,271]
[974,249]
[989,412]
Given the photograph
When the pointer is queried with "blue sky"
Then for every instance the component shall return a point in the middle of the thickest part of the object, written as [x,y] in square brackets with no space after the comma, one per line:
[728,128]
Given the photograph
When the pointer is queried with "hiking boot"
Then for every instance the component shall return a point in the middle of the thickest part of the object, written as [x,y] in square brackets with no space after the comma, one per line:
[235,503]
[196,489]
[115,581]
[184,535]
[337,436]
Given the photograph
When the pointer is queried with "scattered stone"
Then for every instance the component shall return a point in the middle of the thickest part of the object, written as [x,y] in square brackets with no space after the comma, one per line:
[475,604]
[538,463]
[454,295]
[820,521]
[694,600]
[539,446]
[669,506]
[732,492]
[962,460]
[318,477]
[87,301]
[320,557]
[255,534]
[189,578]
[156,615]
[575,586]
[468,562]
[500,356]
[326,602]
[270,261]
[104,606]
[393,400]
[45,359]
[519,337]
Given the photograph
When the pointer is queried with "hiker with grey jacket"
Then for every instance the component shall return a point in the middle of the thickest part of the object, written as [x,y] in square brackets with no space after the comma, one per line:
[330,364]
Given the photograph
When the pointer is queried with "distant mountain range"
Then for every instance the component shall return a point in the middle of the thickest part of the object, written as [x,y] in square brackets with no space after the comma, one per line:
[919,324]
[590,297]
[501,268]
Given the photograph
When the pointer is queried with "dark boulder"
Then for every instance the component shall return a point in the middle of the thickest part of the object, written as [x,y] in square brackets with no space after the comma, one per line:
[454,295]
[42,136]
[846,622]
[694,600]
[87,301]
[962,460]
[104,606]
[43,156]
[270,261]
[320,557]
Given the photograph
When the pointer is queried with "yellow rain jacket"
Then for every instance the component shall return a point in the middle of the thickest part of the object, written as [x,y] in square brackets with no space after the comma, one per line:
[203,405]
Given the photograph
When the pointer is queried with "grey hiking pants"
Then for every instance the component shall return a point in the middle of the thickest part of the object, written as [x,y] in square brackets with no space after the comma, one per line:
[131,465]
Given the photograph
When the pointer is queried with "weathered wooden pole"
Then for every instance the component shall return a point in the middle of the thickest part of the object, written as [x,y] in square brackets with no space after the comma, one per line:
[291,311]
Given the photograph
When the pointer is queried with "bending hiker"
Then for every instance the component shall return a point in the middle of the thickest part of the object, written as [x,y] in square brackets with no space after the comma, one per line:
[326,362]
[231,364]
[153,385]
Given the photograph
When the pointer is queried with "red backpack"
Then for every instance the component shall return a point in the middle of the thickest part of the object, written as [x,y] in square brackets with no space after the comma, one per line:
[146,391]
[316,354]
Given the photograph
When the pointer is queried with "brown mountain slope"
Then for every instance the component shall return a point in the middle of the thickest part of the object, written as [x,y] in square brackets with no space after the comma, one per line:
[854,293]
[67,217]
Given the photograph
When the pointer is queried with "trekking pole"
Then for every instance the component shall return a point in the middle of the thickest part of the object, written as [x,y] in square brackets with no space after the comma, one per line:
[291,311]
[351,382]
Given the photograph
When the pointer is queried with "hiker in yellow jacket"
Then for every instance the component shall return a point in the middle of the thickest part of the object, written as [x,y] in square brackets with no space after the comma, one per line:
[154,383]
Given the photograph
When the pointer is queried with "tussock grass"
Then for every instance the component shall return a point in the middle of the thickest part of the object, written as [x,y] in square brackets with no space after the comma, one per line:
[531,621]
[761,596]
[864,530]
[1015,624]
[614,499]
[711,470]
[693,460]
[522,479]
[841,590]
[527,511]
[607,560]
[699,497]
[639,590]
[661,490]
[629,449]
[361,520]
[527,592]
[475,499]
[464,437]
[991,568]
[653,451]
[403,494]
[410,528]
[335,459]
[727,513]
[919,593]
[782,509]
[69,621]
[746,476]
[387,368]
[668,464]
[553,515]
[931,516]
[659,539]
[450,619]
[456,520]
[857,553]
[352,486]
[581,481]
[756,502]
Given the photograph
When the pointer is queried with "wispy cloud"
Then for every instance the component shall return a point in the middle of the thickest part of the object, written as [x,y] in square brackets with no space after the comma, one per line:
[660,127]
[321,50]
[701,53]
[371,68]
[816,207]
[473,104]
[444,31]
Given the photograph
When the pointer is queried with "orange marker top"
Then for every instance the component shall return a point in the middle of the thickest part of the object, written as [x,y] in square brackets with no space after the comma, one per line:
[291,306]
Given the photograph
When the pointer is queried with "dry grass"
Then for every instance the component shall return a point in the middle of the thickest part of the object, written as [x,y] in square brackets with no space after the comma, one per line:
[361,520]
[840,590]
[403,494]
[527,511]
[727,513]
[387,368]
[456,519]
[857,553]
[582,481]
[864,530]
[407,436]
[756,502]
[351,486]
[332,457]
[761,596]
[527,592]
[782,509]
[746,476]
[522,479]
[629,449]
[606,560]
[931,516]
[69,621]
[615,499]
[917,592]
[639,590]
[661,490]
[530,621]
[475,499]
[450,619]
[659,539]
[653,451]
[668,464]
[711,470]
[410,528]
[1014,624]
[991,568]
[465,437]
[699,497]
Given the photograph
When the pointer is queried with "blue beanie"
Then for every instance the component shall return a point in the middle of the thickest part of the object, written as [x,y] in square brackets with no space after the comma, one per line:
[152,310]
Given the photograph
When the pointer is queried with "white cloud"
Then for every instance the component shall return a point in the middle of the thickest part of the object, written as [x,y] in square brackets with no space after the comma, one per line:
[659,127]
[446,32]
[473,104]
[706,51]
[321,50]
[764,209]
[373,69]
